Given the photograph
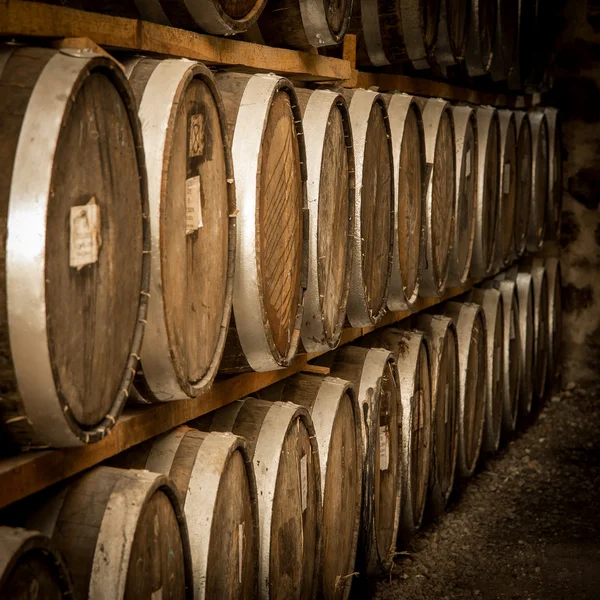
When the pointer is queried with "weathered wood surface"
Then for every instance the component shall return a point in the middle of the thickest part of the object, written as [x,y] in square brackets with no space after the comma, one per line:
[479,51]
[540,187]
[524,181]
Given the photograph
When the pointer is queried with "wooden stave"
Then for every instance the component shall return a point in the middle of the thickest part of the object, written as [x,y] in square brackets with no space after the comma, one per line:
[555,176]
[554,275]
[505,47]
[248,345]
[440,331]
[18,543]
[206,468]
[321,395]
[486,207]
[491,303]
[279,418]
[449,51]
[511,388]
[399,298]
[479,51]
[315,123]
[56,424]
[130,493]
[539,181]
[357,309]
[464,117]
[465,315]
[373,361]
[524,182]
[433,280]
[505,243]
[160,381]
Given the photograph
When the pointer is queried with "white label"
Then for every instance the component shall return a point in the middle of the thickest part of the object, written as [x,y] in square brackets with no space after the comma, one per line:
[304,481]
[384,448]
[447,403]
[506,182]
[240,550]
[468,164]
[157,595]
[193,205]
[196,136]
[85,240]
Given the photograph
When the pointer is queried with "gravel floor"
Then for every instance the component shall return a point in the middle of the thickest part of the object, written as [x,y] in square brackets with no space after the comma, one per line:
[526,526]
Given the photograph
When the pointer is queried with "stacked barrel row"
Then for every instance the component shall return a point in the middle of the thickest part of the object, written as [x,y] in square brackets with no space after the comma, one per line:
[302,210]
[315,481]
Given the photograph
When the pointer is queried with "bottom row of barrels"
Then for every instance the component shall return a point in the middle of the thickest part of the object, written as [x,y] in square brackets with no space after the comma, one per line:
[313,482]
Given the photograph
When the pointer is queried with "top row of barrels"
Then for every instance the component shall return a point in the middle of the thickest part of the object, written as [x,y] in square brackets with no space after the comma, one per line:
[506,39]
[152,201]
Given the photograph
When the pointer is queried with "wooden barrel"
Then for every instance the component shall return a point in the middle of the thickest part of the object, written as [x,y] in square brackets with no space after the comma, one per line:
[374,208]
[123,535]
[450,46]
[490,301]
[375,377]
[305,24]
[440,195]
[443,354]
[73,308]
[488,191]
[539,180]
[524,185]
[269,160]
[470,325]
[400,31]
[406,126]
[554,274]
[479,51]
[505,248]
[188,161]
[511,351]
[330,168]
[31,567]
[215,479]
[541,342]
[283,446]
[554,173]
[465,135]
[505,43]
[336,415]
[220,17]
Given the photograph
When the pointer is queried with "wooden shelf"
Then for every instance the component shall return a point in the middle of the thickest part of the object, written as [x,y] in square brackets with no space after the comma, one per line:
[30,472]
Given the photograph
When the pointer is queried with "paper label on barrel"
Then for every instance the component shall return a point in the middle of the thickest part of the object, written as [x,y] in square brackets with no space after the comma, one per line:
[240,550]
[304,481]
[193,205]
[85,240]
[468,164]
[384,448]
[196,136]
[157,595]
[447,403]
[506,182]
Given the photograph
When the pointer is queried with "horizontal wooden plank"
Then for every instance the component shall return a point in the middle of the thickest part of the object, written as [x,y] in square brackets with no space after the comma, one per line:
[31,19]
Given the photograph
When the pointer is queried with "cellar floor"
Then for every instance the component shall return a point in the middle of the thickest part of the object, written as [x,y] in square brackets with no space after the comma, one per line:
[527,526]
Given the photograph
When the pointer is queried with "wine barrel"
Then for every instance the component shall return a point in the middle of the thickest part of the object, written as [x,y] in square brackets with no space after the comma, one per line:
[283,446]
[524,185]
[505,43]
[374,219]
[481,37]
[304,25]
[472,364]
[505,248]
[490,301]
[219,17]
[188,161]
[511,351]
[488,191]
[122,533]
[554,274]
[539,180]
[408,141]
[215,479]
[330,168]
[440,196]
[373,373]
[400,31]
[450,46]
[541,330]
[73,308]
[443,353]
[465,135]
[269,160]
[554,173]
[335,412]
[31,567]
